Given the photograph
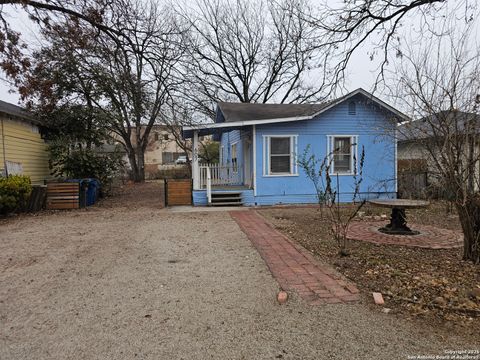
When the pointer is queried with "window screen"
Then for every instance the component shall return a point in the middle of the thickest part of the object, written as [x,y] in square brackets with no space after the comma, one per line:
[234,154]
[280,153]
[342,155]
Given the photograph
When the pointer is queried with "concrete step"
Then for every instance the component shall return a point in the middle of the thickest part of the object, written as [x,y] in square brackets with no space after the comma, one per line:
[226,203]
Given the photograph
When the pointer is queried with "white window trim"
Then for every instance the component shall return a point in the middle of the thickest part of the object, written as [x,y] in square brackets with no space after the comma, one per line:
[353,140]
[293,155]
[235,169]
[231,150]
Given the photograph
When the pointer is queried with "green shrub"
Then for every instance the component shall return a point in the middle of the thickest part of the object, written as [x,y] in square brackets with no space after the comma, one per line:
[78,163]
[14,193]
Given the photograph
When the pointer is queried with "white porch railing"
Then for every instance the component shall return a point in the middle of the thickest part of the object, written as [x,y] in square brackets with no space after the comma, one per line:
[220,175]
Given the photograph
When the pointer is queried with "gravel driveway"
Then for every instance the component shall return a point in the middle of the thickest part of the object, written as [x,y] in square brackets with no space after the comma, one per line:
[123,282]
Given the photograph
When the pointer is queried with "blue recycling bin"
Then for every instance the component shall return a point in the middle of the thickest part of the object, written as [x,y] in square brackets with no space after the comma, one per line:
[93,191]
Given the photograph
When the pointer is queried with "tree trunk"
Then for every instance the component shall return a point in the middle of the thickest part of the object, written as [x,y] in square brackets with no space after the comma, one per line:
[140,175]
[132,159]
[469,214]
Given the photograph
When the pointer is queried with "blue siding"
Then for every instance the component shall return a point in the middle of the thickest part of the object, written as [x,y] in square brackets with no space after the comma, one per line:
[372,124]
[235,137]
[227,140]
[373,128]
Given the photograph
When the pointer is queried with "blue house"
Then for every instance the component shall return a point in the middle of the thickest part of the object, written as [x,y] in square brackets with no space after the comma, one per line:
[260,145]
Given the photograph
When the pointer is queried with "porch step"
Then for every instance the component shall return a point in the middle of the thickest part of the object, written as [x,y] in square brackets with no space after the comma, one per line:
[224,198]
[233,193]
[224,203]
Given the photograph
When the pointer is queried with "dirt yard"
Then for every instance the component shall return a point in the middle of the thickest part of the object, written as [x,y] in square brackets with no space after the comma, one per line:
[432,285]
[127,279]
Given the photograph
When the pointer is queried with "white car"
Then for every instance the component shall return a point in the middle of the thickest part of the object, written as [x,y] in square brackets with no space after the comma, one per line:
[182,159]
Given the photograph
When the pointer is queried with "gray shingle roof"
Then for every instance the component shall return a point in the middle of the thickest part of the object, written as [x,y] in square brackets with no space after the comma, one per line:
[14,110]
[248,112]
[235,115]
[444,123]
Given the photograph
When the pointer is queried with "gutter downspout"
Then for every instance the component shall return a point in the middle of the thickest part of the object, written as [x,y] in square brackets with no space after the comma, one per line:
[3,148]
[254,139]
[396,161]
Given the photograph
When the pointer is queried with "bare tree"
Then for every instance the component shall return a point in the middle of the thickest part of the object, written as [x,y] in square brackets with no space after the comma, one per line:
[174,117]
[252,52]
[138,75]
[327,188]
[343,27]
[440,85]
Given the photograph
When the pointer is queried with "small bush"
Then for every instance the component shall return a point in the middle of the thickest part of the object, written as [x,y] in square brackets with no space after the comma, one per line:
[14,193]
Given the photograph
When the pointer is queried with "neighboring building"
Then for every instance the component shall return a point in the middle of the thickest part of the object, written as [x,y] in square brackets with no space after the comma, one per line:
[261,144]
[415,137]
[22,149]
[418,148]
[162,150]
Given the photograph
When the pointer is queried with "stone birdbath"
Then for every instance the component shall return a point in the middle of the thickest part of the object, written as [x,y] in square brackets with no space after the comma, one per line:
[398,219]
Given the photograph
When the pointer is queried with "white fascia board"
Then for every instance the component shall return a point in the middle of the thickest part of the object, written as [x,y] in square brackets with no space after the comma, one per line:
[245,123]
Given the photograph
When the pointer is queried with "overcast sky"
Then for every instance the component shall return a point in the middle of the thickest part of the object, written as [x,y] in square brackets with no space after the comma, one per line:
[361,71]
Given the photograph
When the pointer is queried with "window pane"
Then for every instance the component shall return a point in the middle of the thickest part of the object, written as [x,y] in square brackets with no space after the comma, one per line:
[280,146]
[342,145]
[280,164]
[341,163]
[167,157]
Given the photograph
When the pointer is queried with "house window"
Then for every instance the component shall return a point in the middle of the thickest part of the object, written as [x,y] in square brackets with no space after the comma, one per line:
[343,152]
[234,155]
[352,108]
[165,136]
[279,155]
[167,157]
[156,136]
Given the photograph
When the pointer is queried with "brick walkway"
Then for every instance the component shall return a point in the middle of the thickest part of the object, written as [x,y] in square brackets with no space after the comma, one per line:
[294,267]
[430,237]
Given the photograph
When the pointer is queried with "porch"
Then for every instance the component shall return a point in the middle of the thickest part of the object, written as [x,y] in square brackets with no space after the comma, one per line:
[231,180]
[222,185]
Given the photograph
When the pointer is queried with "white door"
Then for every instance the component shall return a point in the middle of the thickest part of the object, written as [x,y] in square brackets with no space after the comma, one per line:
[247,170]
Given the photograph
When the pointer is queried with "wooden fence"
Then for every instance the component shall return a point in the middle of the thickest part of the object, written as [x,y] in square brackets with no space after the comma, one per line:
[178,192]
[413,185]
[63,196]
[413,179]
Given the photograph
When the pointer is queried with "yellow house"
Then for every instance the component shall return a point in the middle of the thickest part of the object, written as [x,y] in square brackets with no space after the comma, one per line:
[22,149]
